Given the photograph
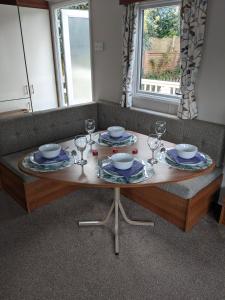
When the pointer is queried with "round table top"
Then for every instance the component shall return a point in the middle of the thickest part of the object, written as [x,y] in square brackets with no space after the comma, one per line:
[87,175]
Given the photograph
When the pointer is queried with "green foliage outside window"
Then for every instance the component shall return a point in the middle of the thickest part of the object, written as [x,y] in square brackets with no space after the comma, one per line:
[160,23]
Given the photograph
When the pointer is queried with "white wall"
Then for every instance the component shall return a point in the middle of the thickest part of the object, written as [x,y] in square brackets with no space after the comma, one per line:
[107,27]
[211,87]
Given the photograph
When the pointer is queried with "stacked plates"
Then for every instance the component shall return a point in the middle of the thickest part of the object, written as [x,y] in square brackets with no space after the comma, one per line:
[35,162]
[141,172]
[104,139]
[200,162]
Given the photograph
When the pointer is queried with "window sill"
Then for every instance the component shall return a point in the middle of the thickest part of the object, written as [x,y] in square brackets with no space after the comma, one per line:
[157,104]
[153,112]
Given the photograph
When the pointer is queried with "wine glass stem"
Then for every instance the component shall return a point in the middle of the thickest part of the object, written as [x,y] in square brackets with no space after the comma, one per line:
[160,140]
[82,158]
[90,136]
[153,155]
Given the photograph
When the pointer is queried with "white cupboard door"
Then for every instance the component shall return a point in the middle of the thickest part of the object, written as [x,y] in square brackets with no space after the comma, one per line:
[13,77]
[39,57]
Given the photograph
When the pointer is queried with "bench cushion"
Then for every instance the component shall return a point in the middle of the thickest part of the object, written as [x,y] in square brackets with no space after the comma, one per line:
[209,137]
[185,189]
[189,188]
[33,129]
[10,161]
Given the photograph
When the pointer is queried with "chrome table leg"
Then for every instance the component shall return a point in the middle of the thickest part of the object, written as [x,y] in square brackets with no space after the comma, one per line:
[116,200]
[103,222]
[131,222]
[116,206]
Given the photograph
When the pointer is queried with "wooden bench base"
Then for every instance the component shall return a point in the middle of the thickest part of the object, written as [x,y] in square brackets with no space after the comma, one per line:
[34,194]
[222,215]
[181,212]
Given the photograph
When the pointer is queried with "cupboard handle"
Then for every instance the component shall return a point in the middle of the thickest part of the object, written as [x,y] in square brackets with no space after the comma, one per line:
[29,106]
[32,89]
[26,90]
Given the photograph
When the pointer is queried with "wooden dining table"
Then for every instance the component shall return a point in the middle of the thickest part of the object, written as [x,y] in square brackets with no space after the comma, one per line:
[87,176]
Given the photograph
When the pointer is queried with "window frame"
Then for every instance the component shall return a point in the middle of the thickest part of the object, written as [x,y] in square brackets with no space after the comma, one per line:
[139,95]
[56,46]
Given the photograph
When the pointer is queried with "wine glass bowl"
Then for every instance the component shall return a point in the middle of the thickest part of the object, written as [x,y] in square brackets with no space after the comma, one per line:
[90,128]
[160,128]
[80,142]
[153,143]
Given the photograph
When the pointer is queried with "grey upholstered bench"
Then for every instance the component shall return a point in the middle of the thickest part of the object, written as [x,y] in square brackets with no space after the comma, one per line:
[209,137]
[181,203]
[21,134]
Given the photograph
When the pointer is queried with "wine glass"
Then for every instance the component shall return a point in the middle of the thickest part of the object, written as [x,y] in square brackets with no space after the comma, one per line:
[80,142]
[90,128]
[154,144]
[160,129]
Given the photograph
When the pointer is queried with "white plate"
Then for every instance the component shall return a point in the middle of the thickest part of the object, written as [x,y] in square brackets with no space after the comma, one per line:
[120,176]
[54,163]
[186,163]
[132,140]
[144,175]
[114,140]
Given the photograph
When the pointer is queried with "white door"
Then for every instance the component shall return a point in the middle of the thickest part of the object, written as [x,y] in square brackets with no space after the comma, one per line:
[39,57]
[76,44]
[13,78]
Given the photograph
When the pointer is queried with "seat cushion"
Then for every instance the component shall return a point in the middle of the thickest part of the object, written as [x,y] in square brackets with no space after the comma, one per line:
[208,137]
[10,161]
[33,129]
[189,188]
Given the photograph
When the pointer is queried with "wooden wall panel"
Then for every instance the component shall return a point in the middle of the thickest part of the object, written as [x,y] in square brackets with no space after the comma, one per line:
[33,3]
[168,206]
[13,185]
[178,211]
[27,3]
[126,2]
[34,194]
[44,191]
[222,214]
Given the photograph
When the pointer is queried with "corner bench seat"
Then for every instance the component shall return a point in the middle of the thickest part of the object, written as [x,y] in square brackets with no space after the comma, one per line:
[185,202]
[187,189]
[21,134]
[182,203]
[11,162]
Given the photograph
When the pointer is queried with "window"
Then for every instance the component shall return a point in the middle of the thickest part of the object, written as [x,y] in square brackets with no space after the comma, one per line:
[73,52]
[158,55]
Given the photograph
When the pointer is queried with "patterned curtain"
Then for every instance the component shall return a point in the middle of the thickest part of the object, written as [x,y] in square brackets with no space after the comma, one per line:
[193,20]
[129,37]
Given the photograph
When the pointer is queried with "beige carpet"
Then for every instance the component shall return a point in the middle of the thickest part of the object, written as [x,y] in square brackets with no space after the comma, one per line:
[45,255]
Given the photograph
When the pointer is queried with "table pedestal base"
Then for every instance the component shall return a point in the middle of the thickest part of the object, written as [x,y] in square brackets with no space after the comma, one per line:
[116,206]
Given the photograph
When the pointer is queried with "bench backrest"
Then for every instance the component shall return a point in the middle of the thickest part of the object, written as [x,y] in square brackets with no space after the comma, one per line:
[209,137]
[33,129]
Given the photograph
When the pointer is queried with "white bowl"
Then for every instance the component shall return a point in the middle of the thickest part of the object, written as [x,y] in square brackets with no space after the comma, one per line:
[186,151]
[116,131]
[50,150]
[122,161]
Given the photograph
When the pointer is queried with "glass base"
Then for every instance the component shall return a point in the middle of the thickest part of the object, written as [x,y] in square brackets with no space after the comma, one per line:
[91,142]
[82,162]
[152,161]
